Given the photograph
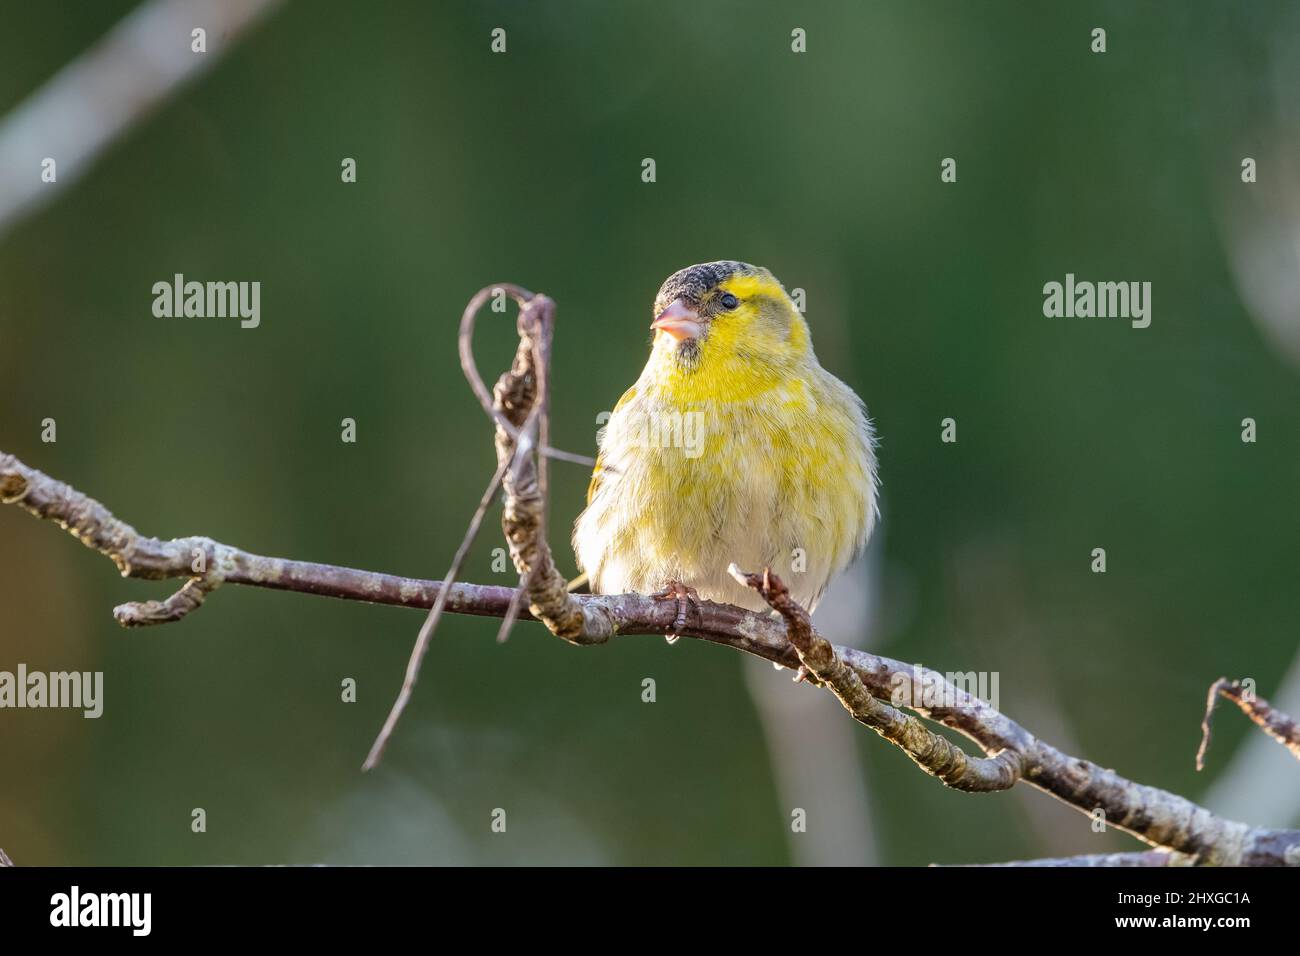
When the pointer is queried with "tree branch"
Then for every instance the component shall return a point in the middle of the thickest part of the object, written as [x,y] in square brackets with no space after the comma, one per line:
[821,662]
[1156,816]
[96,98]
[863,682]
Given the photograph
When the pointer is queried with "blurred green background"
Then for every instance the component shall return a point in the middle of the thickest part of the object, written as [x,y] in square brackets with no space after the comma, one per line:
[926,297]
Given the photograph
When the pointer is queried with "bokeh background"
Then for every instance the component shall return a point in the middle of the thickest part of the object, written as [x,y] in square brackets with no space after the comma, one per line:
[926,297]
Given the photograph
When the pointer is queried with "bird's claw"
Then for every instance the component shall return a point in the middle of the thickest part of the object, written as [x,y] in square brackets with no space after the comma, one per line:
[685,596]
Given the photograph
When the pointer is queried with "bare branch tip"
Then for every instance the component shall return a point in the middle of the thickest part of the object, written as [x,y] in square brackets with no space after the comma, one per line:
[1280,726]
[1211,699]
[147,613]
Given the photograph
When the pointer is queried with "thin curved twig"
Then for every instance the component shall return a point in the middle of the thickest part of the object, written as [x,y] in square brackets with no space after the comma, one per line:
[465,344]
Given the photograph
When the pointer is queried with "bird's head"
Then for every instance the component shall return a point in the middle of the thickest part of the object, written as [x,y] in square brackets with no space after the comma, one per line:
[724,312]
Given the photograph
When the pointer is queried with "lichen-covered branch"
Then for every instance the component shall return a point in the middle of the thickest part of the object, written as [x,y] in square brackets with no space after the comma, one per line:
[1156,816]
[822,663]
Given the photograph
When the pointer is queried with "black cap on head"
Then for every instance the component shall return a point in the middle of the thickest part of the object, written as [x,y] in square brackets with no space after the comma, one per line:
[692,282]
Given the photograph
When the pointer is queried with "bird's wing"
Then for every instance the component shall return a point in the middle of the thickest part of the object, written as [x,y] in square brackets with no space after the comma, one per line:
[596,472]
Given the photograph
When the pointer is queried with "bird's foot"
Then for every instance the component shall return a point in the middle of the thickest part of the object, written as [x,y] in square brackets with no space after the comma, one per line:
[685,596]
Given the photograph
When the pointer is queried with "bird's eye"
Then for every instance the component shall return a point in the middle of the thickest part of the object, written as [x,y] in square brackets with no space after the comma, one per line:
[729,301]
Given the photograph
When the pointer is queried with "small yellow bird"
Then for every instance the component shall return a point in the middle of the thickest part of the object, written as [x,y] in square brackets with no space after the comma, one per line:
[734,445]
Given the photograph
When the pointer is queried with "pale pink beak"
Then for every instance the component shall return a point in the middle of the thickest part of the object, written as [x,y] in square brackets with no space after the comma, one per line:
[678,320]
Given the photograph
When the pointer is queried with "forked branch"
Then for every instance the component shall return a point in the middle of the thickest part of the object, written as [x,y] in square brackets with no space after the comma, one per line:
[822,664]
